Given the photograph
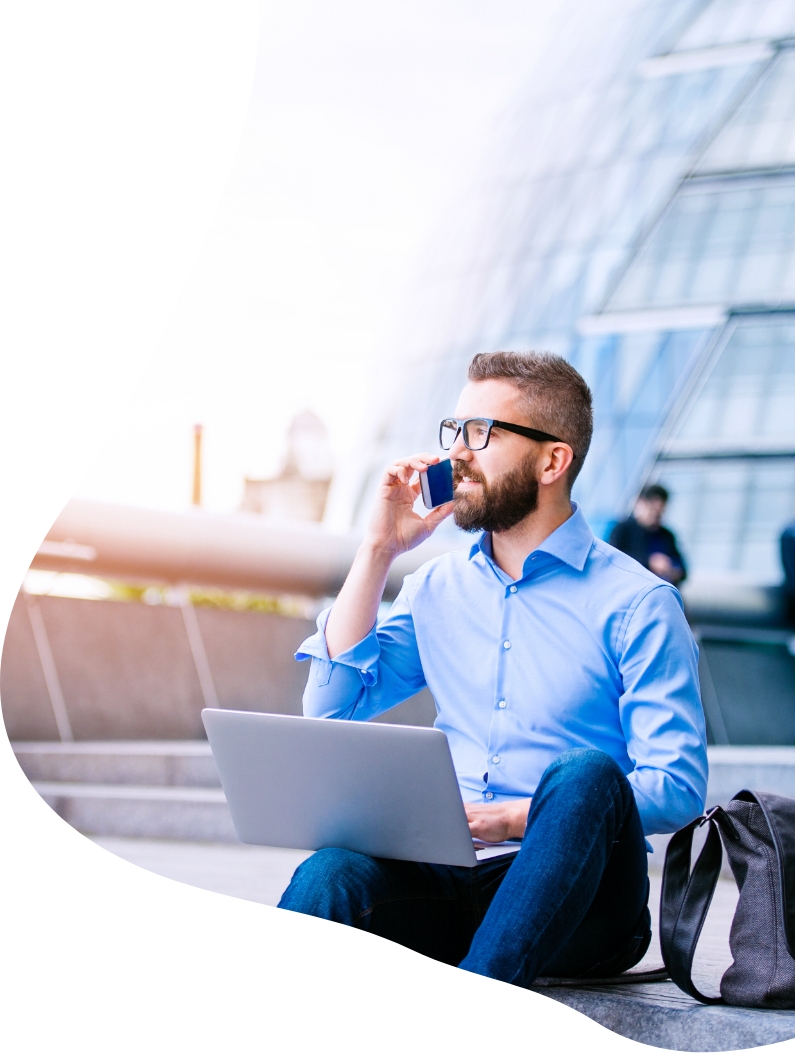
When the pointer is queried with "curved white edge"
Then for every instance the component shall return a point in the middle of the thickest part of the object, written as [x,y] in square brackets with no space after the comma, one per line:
[119,124]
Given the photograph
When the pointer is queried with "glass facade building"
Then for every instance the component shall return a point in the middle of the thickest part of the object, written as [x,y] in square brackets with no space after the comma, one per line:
[636,214]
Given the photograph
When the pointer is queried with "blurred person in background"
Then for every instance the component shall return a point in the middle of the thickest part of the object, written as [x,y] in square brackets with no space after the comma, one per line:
[788,562]
[643,537]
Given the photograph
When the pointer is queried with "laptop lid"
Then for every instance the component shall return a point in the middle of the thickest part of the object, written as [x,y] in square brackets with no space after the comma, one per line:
[300,782]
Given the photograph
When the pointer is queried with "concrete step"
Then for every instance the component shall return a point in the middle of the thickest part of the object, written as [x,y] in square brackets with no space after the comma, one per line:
[190,763]
[174,763]
[661,1015]
[184,813]
[72,771]
[734,768]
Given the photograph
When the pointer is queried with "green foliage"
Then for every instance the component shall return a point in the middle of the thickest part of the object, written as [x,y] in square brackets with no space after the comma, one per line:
[220,599]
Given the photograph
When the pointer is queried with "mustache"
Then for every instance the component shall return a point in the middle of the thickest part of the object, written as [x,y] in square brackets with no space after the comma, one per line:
[462,470]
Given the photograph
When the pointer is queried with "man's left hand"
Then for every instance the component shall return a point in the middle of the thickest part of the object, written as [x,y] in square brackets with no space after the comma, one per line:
[500,821]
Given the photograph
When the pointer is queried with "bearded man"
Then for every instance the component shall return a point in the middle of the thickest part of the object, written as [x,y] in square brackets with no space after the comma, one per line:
[564,675]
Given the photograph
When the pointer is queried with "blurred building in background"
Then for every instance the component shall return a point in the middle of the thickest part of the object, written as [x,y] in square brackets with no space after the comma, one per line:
[301,488]
[637,215]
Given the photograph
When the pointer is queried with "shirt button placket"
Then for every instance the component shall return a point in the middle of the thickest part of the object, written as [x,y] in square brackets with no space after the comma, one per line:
[501,704]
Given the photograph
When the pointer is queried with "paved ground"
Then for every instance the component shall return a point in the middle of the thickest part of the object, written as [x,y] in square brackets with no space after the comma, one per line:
[245,871]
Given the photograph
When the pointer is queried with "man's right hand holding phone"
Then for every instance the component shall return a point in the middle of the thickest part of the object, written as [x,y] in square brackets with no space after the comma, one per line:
[394,528]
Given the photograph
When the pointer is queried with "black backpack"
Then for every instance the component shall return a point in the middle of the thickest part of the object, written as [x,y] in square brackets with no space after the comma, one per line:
[758,831]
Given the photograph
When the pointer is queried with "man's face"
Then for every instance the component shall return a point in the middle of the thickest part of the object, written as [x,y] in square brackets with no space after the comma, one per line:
[495,488]
[649,513]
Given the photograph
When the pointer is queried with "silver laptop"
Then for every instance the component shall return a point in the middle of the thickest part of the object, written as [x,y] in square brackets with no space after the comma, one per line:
[381,789]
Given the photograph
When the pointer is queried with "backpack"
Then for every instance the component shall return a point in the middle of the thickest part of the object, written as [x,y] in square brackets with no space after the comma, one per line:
[758,832]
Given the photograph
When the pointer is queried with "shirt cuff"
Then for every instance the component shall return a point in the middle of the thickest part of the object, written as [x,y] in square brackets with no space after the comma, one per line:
[363,656]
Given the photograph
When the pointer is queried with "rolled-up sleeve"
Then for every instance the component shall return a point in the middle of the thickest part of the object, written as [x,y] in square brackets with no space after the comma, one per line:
[377,673]
[661,713]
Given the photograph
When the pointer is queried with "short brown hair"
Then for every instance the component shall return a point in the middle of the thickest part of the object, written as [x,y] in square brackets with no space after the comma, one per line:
[561,400]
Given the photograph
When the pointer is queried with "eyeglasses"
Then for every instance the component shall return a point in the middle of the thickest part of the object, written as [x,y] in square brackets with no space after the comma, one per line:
[476,432]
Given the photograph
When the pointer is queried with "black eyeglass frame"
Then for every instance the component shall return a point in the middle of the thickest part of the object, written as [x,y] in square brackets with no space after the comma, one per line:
[518,429]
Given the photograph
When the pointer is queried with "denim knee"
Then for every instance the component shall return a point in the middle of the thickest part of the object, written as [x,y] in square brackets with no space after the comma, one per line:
[328,884]
[585,772]
[587,763]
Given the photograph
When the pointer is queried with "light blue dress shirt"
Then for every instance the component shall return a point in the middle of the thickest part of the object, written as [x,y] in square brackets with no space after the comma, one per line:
[587,648]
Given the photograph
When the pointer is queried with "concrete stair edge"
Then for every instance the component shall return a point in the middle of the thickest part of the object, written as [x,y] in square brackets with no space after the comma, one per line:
[154,763]
[709,1029]
[158,812]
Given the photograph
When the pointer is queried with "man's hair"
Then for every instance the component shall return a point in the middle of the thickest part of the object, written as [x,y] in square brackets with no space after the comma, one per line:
[559,400]
[654,492]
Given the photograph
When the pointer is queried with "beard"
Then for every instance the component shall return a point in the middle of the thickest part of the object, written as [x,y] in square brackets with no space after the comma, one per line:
[501,504]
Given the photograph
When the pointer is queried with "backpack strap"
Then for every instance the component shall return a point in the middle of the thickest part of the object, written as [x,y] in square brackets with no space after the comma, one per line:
[685,900]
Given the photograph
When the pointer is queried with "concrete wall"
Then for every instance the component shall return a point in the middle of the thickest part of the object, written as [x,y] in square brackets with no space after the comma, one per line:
[127,670]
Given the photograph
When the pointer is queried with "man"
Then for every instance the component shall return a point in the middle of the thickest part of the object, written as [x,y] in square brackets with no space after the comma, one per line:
[565,679]
[787,548]
[643,536]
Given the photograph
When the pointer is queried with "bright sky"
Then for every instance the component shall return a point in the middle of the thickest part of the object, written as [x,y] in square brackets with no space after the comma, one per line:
[365,119]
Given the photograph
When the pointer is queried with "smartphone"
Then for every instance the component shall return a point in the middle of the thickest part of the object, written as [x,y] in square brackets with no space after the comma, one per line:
[437,484]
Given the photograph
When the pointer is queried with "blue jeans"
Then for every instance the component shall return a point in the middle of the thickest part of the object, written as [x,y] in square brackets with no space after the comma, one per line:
[571,902]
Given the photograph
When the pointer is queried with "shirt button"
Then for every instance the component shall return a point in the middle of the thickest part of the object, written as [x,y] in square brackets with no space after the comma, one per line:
[502,703]
[489,796]
[507,645]
[512,588]
[495,759]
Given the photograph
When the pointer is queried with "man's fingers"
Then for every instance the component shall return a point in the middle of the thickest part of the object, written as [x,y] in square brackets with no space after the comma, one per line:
[435,517]
[421,461]
[403,469]
[398,473]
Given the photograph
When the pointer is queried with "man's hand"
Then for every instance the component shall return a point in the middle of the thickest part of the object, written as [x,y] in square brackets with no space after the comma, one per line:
[501,821]
[664,568]
[395,527]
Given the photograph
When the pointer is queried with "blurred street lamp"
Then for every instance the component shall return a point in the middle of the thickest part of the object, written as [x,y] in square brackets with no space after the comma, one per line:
[197,465]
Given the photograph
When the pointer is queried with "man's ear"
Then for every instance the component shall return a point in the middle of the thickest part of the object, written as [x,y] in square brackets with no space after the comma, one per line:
[559,459]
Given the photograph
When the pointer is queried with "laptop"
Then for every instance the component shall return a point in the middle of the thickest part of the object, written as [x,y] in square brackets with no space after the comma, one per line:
[384,790]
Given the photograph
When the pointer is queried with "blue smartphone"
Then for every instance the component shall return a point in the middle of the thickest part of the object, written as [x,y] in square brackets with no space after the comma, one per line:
[437,484]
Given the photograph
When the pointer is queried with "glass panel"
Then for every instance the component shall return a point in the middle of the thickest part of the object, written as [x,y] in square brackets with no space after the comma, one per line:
[729,513]
[737,21]
[760,133]
[635,379]
[722,243]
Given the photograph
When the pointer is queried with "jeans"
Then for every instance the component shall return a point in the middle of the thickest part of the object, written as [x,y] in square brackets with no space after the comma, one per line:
[572,902]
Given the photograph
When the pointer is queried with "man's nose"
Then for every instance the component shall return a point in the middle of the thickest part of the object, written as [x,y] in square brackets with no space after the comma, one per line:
[458,451]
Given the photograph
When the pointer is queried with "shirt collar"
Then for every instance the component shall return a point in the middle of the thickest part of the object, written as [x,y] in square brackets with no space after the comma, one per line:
[570,543]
